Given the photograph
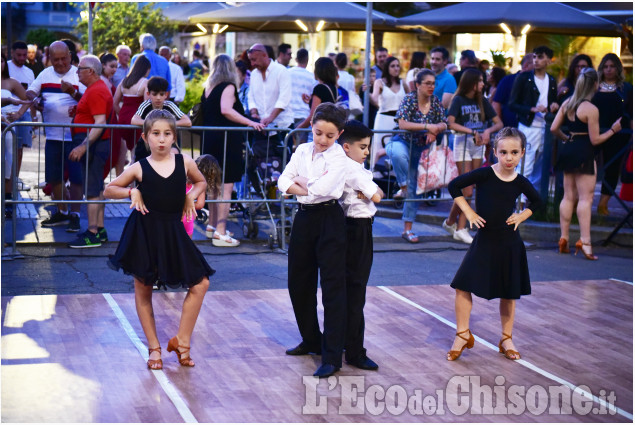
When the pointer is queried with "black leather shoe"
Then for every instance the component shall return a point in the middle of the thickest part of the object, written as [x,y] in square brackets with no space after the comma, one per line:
[325,370]
[301,350]
[364,363]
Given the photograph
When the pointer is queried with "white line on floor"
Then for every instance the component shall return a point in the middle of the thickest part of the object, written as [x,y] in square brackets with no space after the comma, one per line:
[165,383]
[622,281]
[525,363]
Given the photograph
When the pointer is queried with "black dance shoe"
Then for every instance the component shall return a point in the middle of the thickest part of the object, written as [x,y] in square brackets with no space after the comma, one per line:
[302,350]
[325,370]
[364,363]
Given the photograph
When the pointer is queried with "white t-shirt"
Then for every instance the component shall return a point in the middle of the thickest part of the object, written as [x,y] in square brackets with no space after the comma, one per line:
[302,82]
[346,81]
[543,88]
[56,103]
[21,73]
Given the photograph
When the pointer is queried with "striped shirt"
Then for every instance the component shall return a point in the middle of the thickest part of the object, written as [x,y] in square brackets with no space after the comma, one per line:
[146,107]
[56,103]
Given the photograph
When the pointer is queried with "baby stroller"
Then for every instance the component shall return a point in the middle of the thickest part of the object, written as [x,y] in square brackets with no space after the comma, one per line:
[264,166]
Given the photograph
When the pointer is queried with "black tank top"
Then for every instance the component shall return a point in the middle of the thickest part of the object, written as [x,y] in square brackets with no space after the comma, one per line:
[163,194]
[576,126]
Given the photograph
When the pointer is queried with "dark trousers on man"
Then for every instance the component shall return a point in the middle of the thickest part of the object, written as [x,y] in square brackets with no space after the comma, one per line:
[318,242]
[359,259]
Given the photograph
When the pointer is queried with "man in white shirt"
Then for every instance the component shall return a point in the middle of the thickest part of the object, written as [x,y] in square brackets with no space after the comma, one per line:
[19,71]
[302,81]
[123,53]
[269,90]
[177,94]
[346,81]
[533,98]
[57,89]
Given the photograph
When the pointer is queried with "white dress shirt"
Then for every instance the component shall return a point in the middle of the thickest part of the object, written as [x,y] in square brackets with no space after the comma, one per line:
[326,172]
[359,179]
[271,92]
[178,82]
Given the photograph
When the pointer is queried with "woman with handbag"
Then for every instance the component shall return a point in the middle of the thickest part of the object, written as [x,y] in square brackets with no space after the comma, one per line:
[419,111]
[469,115]
[222,108]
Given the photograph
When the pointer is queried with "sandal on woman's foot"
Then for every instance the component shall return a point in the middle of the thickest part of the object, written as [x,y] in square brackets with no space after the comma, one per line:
[173,345]
[209,232]
[224,240]
[410,236]
[469,343]
[508,353]
[155,364]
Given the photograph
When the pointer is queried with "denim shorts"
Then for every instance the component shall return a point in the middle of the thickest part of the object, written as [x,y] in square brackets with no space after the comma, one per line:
[465,149]
[56,162]
[98,152]
[23,133]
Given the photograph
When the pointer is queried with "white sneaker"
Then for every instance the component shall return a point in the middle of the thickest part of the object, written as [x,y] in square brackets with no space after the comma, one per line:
[22,185]
[463,235]
[224,240]
[450,229]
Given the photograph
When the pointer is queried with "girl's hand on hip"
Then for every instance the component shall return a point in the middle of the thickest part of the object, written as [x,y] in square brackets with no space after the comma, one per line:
[515,219]
[475,219]
[137,201]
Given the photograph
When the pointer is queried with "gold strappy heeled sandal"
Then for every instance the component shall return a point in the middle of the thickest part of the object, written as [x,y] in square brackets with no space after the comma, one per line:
[455,354]
[173,345]
[155,364]
[507,353]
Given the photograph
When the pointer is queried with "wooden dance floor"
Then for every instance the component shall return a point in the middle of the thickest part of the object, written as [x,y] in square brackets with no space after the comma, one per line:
[81,358]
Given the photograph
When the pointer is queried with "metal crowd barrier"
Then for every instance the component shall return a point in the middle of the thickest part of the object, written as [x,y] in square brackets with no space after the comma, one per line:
[283,143]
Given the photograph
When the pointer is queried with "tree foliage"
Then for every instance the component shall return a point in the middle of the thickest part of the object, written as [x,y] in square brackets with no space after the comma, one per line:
[118,23]
[41,36]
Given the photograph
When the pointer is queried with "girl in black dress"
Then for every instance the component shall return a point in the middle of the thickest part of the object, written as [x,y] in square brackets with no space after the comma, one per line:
[495,265]
[154,246]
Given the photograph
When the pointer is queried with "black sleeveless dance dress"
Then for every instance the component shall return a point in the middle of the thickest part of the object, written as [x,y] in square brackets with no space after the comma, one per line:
[495,265]
[576,155]
[155,248]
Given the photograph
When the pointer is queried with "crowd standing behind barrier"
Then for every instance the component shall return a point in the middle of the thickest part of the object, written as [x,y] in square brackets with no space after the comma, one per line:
[275,112]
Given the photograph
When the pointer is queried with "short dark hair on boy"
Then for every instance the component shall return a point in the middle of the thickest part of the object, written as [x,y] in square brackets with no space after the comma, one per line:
[157,84]
[332,113]
[544,49]
[19,45]
[354,131]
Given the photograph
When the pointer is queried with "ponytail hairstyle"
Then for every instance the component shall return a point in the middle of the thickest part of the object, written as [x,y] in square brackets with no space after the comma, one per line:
[584,89]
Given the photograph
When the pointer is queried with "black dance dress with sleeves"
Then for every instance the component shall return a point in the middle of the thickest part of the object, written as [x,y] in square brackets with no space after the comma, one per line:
[495,265]
[576,155]
[155,248]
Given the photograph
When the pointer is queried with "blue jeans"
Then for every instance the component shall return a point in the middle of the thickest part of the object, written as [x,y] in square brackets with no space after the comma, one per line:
[405,161]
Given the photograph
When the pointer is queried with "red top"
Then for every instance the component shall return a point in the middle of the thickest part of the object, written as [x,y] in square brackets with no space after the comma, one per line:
[97,100]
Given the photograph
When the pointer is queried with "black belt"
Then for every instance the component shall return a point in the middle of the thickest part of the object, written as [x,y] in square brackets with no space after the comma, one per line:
[360,220]
[310,207]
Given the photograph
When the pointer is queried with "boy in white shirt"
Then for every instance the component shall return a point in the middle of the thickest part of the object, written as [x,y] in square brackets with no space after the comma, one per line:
[316,174]
[358,202]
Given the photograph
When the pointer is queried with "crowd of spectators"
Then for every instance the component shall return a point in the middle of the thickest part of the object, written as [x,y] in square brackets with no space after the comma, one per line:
[262,89]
